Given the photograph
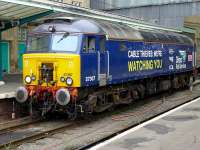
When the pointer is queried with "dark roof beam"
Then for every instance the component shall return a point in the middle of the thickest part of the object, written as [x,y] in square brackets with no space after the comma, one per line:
[28,13]
[22,21]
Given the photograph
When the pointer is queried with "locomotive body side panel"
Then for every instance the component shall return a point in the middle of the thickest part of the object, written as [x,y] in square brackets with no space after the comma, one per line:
[145,60]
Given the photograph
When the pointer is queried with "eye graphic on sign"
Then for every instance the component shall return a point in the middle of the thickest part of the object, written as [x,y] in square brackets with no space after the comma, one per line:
[171,67]
[171,59]
[183,55]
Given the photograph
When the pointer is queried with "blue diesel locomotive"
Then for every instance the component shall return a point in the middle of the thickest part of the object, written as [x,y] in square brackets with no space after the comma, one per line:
[86,66]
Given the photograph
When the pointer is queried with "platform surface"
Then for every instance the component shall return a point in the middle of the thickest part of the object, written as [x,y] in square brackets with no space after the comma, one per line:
[11,82]
[178,129]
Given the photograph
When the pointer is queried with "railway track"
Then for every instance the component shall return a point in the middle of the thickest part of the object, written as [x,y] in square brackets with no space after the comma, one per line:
[18,122]
[70,126]
[137,115]
[11,126]
[10,137]
[119,118]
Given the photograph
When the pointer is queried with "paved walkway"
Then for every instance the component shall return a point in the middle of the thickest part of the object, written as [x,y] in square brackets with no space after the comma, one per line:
[8,89]
[2,83]
[178,129]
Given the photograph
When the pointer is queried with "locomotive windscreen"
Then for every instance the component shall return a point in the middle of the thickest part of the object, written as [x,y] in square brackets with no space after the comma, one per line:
[38,42]
[56,42]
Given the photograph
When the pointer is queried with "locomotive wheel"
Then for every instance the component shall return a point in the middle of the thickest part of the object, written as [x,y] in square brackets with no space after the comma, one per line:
[134,94]
[141,90]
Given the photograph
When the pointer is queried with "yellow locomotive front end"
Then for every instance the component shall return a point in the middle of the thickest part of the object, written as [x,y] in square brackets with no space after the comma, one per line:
[51,70]
[55,75]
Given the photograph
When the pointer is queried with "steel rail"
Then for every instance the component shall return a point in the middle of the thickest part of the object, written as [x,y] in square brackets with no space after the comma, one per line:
[36,136]
[23,119]
[19,125]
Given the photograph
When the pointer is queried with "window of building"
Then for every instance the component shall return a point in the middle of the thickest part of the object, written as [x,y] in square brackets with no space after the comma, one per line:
[76,3]
[60,1]
[22,34]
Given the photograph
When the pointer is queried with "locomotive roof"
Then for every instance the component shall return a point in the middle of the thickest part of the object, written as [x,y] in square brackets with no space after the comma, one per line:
[113,31]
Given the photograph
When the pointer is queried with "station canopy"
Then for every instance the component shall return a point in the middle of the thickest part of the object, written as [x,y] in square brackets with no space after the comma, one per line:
[18,12]
[12,11]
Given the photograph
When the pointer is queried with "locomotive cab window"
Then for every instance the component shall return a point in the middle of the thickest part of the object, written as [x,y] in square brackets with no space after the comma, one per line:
[85,45]
[38,42]
[89,44]
[59,42]
[102,44]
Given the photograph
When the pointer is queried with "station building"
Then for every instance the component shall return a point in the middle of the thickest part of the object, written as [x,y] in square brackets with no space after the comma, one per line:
[168,13]
[13,40]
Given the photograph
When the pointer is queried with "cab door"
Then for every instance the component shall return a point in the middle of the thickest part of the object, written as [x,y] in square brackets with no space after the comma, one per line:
[103,61]
[89,61]
[94,61]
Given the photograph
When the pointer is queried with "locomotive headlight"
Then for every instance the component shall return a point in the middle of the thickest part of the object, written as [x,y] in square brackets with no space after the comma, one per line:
[33,78]
[28,79]
[69,81]
[62,79]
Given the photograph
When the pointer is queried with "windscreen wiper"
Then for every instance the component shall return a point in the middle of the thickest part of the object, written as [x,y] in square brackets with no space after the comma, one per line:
[64,36]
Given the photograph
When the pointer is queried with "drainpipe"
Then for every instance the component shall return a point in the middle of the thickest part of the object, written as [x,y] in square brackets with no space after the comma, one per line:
[1,73]
[0,61]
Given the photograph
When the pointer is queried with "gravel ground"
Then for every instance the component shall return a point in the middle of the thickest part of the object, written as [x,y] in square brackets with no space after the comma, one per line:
[6,110]
[111,122]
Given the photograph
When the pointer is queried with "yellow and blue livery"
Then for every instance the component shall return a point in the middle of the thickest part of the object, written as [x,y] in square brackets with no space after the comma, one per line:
[86,66]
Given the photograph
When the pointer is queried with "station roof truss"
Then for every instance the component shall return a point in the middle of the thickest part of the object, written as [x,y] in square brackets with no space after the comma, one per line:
[13,14]
[18,12]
